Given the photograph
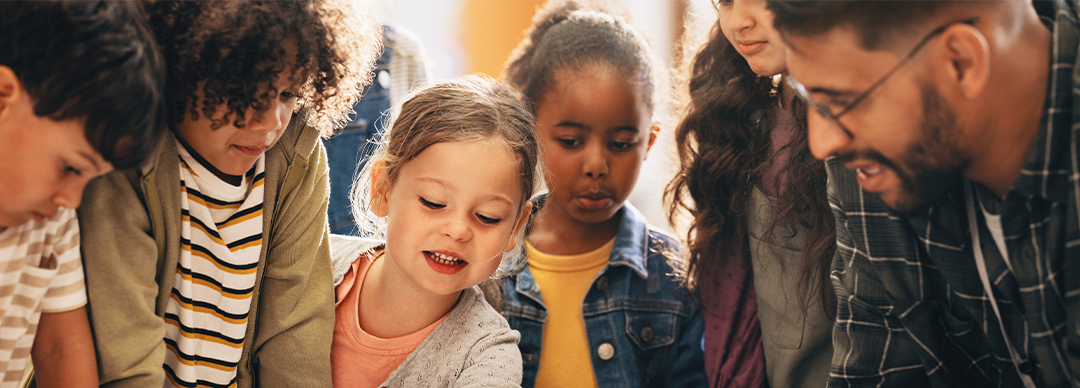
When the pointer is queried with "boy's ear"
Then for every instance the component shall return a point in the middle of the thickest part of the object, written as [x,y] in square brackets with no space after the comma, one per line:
[380,189]
[10,88]
[523,219]
[654,132]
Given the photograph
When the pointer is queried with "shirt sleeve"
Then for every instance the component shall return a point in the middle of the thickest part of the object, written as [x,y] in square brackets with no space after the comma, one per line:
[67,290]
[872,345]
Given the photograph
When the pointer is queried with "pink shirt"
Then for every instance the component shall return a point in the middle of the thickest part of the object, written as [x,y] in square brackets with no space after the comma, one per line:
[359,359]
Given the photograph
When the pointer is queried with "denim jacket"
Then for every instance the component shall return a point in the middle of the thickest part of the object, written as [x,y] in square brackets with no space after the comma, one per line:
[643,329]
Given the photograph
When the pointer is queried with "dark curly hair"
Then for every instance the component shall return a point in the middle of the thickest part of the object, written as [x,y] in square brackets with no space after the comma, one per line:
[723,144]
[572,34]
[91,60]
[235,50]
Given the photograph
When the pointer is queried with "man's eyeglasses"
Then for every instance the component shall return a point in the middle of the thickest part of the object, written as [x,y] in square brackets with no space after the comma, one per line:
[824,110]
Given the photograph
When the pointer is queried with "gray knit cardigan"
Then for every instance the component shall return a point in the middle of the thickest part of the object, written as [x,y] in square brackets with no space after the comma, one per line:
[472,347]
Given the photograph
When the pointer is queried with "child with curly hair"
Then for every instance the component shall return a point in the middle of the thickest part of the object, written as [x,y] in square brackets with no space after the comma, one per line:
[210,265]
[599,303]
[446,199]
[61,126]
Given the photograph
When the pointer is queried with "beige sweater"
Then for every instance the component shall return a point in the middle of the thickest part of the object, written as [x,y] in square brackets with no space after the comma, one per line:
[130,224]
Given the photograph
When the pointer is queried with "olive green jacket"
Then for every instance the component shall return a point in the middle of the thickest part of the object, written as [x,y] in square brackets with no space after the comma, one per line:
[130,223]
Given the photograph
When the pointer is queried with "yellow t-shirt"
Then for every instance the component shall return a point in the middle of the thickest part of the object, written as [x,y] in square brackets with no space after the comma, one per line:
[565,360]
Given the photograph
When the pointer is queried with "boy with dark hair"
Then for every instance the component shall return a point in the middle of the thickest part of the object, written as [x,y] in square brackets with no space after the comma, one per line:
[210,266]
[80,94]
[952,143]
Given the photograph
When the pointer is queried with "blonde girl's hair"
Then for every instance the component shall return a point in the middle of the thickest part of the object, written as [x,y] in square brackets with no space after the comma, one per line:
[468,108]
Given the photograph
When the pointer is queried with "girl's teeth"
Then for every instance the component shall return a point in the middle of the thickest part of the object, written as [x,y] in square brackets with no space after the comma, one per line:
[445,259]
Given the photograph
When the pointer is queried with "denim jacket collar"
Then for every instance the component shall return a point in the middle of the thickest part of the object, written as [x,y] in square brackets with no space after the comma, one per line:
[631,247]
[631,241]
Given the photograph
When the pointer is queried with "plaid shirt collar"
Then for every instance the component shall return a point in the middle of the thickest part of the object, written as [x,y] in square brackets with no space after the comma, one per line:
[1048,167]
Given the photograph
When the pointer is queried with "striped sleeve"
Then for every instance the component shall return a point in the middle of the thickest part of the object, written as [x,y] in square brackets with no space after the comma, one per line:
[67,290]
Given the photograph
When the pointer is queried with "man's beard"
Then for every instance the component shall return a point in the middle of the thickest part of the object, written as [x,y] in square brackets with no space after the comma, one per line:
[932,163]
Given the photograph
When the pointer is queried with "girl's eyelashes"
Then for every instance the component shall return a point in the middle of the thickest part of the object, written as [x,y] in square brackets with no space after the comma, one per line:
[722,3]
[431,205]
[622,145]
[69,169]
[481,217]
[569,142]
[488,220]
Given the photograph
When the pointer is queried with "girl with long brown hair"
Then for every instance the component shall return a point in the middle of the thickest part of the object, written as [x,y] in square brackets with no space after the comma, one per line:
[762,237]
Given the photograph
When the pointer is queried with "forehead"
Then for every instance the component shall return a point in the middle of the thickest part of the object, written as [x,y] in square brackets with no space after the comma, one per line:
[594,93]
[835,60]
[486,167]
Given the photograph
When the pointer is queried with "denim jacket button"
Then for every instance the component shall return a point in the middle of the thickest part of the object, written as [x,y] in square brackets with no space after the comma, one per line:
[646,334]
[601,284]
[606,351]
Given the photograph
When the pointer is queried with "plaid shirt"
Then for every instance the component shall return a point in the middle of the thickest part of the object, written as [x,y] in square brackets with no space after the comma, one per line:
[912,310]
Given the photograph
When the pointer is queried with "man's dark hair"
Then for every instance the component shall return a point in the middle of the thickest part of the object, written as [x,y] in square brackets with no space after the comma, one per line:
[876,23]
[89,60]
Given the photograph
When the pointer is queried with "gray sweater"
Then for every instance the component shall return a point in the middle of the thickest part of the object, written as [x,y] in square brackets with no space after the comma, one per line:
[472,347]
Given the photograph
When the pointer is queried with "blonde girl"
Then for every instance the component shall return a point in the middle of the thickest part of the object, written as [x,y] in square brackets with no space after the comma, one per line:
[447,196]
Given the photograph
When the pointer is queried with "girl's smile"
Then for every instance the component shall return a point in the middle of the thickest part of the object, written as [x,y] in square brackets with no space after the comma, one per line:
[449,215]
[445,263]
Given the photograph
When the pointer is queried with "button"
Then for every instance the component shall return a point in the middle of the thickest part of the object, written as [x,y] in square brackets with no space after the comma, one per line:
[606,351]
[646,334]
[601,284]
[384,79]
[1027,367]
[528,357]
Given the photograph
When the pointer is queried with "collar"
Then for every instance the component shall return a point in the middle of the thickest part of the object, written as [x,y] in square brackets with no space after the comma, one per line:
[1048,167]
[631,238]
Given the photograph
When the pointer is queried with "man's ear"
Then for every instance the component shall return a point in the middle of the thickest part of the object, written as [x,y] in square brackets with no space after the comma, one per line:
[654,132]
[968,54]
[380,189]
[10,88]
[523,219]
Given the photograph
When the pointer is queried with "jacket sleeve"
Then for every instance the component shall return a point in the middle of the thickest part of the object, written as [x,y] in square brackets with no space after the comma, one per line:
[688,368]
[295,322]
[873,348]
[495,361]
[120,258]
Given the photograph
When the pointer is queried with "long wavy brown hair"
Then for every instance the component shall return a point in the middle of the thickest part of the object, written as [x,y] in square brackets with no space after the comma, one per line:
[723,143]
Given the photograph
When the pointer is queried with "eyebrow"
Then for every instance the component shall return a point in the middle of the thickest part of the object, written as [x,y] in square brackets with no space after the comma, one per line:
[92,161]
[442,183]
[571,124]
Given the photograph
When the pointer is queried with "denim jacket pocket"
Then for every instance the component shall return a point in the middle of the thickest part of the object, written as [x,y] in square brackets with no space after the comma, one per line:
[651,330]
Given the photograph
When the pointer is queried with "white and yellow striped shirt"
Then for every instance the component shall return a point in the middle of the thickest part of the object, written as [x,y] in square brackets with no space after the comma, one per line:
[220,238]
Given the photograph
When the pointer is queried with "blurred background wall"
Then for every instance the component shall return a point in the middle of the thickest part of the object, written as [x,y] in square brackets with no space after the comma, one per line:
[477,36]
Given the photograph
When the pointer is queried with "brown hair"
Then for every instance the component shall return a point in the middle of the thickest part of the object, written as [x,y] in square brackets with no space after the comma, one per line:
[573,34]
[236,50]
[723,144]
[89,60]
[468,108]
